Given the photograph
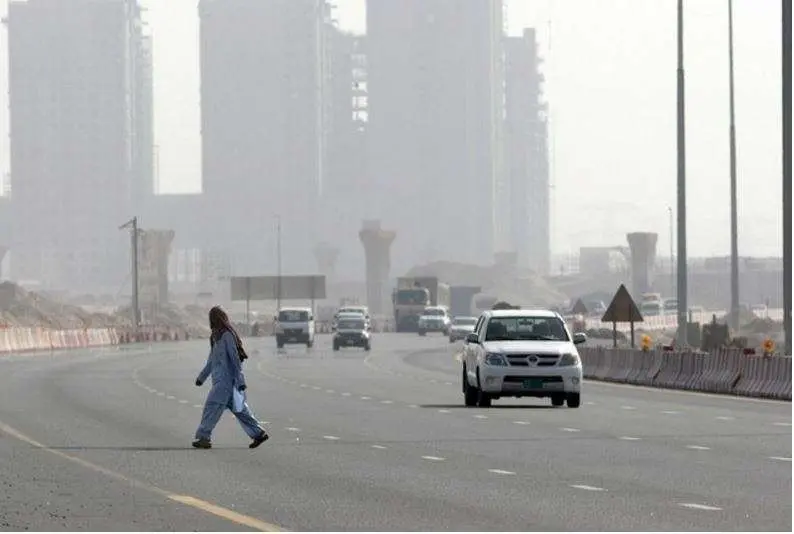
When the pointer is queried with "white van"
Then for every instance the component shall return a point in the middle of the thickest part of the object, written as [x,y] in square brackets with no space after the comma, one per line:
[295,326]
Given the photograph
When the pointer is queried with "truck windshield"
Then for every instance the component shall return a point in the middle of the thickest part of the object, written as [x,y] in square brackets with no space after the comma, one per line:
[412,296]
[292,316]
[465,320]
[526,328]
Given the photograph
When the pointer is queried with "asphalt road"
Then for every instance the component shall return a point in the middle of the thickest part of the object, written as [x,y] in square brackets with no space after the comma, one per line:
[100,440]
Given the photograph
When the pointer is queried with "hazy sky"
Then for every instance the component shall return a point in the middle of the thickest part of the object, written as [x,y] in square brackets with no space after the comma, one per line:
[610,70]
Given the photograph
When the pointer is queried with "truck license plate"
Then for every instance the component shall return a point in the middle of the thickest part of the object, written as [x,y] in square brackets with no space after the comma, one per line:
[533,383]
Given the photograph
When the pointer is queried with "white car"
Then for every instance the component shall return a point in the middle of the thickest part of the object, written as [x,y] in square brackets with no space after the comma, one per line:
[461,327]
[434,319]
[296,326]
[522,353]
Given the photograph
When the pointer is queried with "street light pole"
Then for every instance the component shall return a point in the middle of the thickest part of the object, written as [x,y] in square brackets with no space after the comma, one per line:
[681,207]
[786,55]
[734,322]
[278,258]
[672,255]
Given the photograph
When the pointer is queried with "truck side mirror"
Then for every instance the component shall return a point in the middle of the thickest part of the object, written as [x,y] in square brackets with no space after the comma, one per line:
[473,339]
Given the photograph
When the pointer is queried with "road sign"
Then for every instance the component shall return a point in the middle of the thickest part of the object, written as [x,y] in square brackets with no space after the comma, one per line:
[248,288]
[579,308]
[622,309]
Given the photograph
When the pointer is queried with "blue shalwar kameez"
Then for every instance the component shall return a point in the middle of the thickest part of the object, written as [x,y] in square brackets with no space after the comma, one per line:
[227,375]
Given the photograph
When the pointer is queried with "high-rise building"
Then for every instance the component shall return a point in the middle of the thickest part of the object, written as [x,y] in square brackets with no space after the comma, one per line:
[263,131]
[526,151]
[436,108]
[344,196]
[81,125]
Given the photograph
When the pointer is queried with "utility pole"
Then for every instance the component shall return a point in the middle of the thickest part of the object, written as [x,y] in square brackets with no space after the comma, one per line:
[132,224]
[786,108]
[734,323]
[278,256]
[681,207]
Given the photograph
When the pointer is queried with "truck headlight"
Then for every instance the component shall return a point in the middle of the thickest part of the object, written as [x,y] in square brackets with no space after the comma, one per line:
[568,360]
[496,360]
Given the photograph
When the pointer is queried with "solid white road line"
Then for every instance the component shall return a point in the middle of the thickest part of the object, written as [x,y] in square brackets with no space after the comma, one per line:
[501,472]
[586,487]
[695,506]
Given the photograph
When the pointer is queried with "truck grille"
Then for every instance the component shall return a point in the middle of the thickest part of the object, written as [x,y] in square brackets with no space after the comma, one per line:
[532,360]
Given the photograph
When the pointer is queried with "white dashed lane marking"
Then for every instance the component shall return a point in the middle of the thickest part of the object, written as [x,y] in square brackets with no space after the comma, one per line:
[197,406]
[293,429]
[782,424]
[586,487]
[566,429]
[380,447]
[331,438]
[387,402]
[160,394]
[501,472]
[413,406]
[182,401]
[345,394]
[433,458]
[698,448]
[480,416]
[725,418]
[316,388]
[590,403]
[780,458]
[520,422]
[365,398]
[628,438]
[671,412]
[330,391]
[695,506]
[628,408]
[444,411]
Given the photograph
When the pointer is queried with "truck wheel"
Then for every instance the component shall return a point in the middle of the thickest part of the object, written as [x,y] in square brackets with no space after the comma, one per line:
[336,346]
[367,347]
[557,400]
[573,400]
[309,344]
[469,393]
[422,333]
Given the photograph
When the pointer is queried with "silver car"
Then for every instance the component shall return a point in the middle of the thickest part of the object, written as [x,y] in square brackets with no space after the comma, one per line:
[461,327]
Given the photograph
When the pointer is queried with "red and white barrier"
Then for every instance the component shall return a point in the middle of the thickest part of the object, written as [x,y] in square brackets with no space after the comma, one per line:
[24,339]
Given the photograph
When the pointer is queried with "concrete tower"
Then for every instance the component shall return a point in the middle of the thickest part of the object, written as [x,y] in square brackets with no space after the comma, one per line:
[326,257]
[377,249]
[3,251]
[643,259]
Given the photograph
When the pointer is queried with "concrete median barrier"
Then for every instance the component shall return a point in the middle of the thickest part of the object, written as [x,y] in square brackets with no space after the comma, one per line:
[726,371]
[23,339]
